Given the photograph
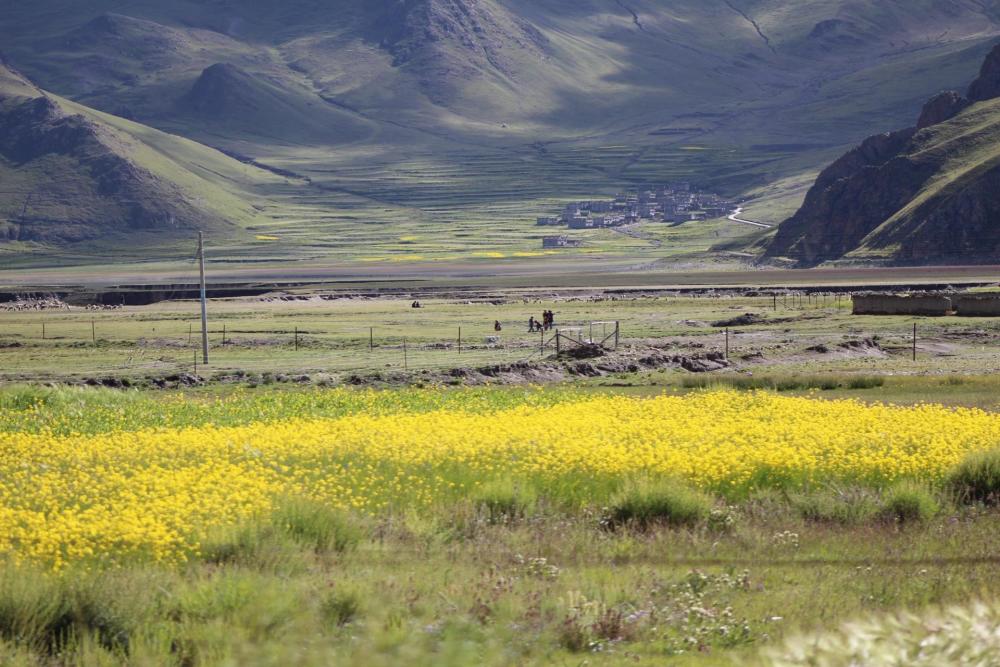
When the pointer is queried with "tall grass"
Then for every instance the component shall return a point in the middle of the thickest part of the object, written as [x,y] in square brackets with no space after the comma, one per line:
[977,478]
[784,382]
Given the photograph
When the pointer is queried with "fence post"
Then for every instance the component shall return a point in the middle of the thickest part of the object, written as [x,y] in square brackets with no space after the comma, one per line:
[223,334]
[460,340]
[189,333]
[371,339]
[617,331]
[557,342]
[296,339]
[727,343]
[541,343]
[406,363]
[914,341]
[196,362]
[43,330]
[591,331]
[93,331]
[775,297]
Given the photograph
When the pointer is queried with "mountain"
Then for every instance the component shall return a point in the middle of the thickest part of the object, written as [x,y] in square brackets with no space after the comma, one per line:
[461,121]
[71,174]
[926,194]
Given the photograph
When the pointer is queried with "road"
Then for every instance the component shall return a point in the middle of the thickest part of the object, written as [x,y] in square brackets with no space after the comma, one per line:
[735,217]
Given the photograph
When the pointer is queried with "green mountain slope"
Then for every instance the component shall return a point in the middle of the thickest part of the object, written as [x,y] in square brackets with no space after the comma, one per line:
[926,194]
[463,120]
[70,173]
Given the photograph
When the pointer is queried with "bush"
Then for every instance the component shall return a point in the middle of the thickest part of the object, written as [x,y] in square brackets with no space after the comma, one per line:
[844,506]
[977,478]
[646,502]
[910,502]
[504,501]
[317,526]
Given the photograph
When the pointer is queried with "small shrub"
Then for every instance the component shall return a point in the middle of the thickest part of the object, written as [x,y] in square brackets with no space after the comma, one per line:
[317,526]
[646,502]
[504,501]
[341,607]
[977,478]
[843,506]
[910,502]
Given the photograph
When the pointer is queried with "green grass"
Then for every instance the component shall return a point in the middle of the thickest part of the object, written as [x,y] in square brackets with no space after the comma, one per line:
[538,593]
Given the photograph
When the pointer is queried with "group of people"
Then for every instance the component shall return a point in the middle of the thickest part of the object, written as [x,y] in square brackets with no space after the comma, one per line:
[546,323]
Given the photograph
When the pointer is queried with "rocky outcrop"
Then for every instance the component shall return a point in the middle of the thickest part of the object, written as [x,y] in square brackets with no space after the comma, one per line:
[940,108]
[221,90]
[987,85]
[889,198]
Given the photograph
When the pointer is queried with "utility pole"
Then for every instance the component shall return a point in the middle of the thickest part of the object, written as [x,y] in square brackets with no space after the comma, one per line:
[204,299]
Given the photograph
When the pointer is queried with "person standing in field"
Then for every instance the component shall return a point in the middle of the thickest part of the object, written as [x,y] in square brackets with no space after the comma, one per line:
[531,324]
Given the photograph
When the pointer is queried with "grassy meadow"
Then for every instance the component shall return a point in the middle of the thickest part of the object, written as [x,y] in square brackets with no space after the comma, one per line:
[755,515]
[490,526]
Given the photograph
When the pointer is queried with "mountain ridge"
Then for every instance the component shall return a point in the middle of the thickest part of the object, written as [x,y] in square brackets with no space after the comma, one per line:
[927,193]
[69,176]
[464,120]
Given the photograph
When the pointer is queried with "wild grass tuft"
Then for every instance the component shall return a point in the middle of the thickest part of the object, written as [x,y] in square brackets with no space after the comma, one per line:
[504,501]
[847,506]
[646,502]
[341,606]
[910,502]
[317,526]
[977,478]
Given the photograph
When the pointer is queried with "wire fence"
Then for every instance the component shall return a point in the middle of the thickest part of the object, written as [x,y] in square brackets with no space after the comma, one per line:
[132,342]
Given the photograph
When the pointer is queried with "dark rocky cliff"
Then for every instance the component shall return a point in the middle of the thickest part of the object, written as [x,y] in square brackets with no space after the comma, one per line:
[885,199]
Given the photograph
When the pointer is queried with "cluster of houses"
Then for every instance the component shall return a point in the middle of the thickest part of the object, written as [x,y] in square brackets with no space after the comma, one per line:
[670,203]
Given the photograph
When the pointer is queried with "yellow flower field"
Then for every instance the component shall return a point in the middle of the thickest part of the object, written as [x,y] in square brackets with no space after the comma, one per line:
[154,493]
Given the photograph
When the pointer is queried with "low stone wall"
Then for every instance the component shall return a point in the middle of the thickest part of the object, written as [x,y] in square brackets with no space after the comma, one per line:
[978,305]
[898,304]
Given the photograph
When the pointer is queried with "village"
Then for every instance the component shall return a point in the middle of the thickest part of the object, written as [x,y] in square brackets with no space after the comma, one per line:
[675,203]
